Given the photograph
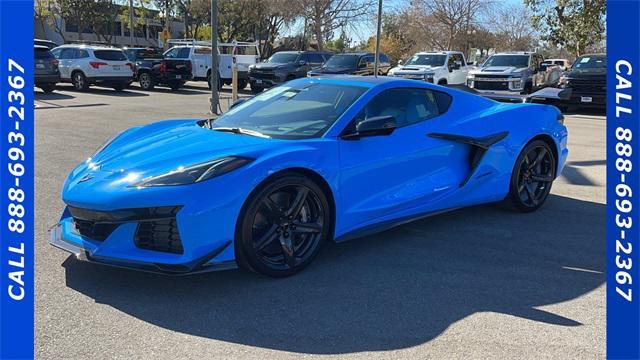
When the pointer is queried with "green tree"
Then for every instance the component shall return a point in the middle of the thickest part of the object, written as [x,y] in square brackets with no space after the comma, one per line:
[573,24]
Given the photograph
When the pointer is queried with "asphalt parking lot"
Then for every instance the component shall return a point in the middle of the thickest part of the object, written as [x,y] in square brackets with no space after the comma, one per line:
[475,283]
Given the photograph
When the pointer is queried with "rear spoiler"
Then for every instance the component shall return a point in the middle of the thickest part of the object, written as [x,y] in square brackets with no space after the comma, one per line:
[545,95]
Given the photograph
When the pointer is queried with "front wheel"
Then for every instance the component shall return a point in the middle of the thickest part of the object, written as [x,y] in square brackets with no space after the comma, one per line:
[79,81]
[532,177]
[282,226]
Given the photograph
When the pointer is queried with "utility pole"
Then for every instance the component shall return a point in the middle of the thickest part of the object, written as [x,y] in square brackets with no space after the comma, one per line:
[215,96]
[131,22]
[377,61]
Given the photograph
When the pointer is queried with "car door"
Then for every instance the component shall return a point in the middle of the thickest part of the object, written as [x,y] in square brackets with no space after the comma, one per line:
[365,66]
[539,75]
[65,61]
[383,177]
[458,75]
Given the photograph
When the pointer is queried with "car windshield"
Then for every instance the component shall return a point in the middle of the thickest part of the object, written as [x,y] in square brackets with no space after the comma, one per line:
[282,58]
[291,112]
[590,62]
[342,61]
[432,60]
[518,61]
[114,55]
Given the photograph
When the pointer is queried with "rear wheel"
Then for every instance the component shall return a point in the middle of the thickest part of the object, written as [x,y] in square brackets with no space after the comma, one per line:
[146,82]
[532,177]
[242,83]
[282,226]
[79,81]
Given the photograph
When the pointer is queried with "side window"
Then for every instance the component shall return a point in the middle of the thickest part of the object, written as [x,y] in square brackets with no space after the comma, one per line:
[315,59]
[184,53]
[407,106]
[326,57]
[171,53]
[56,53]
[367,60]
[458,57]
[81,54]
[304,57]
[384,58]
[66,53]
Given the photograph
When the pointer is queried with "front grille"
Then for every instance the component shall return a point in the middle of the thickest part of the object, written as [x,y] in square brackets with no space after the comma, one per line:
[491,85]
[580,86]
[488,76]
[93,230]
[159,235]
[263,75]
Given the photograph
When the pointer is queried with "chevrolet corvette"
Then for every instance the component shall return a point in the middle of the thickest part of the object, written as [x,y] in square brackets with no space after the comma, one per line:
[316,159]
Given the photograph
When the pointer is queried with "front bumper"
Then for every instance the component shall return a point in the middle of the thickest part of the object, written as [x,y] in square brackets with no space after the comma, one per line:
[497,85]
[64,236]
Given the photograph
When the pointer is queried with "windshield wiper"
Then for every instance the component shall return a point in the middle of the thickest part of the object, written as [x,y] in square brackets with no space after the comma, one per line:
[241,131]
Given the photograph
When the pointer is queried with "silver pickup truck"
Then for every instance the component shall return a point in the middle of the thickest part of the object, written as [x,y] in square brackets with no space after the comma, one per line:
[513,73]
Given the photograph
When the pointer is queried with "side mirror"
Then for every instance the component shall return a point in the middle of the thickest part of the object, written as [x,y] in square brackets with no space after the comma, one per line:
[375,126]
[302,63]
[238,102]
[400,62]
[457,65]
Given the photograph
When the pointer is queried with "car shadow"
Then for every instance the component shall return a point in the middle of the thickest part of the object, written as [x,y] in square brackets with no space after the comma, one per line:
[94,89]
[39,95]
[396,289]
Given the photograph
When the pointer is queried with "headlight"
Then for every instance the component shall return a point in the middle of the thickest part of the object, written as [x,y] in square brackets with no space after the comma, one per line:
[428,77]
[196,173]
[517,82]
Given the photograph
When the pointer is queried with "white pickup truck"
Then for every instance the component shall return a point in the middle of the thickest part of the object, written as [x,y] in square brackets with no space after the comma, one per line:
[437,67]
[199,52]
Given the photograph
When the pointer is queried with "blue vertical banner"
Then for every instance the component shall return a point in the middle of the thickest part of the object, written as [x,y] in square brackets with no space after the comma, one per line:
[623,182]
[16,179]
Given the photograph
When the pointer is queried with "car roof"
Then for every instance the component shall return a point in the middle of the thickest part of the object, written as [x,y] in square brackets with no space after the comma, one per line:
[89,47]
[360,53]
[40,47]
[439,52]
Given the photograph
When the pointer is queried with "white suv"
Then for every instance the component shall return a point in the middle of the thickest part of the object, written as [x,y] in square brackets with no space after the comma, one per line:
[85,65]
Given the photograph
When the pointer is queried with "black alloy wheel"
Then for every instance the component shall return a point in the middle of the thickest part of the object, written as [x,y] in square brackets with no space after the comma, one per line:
[282,226]
[532,176]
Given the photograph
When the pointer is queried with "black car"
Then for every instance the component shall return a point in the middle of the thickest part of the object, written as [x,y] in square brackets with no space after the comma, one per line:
[284,66]
[46,73]
[150,68]
[361,63]
[587,81]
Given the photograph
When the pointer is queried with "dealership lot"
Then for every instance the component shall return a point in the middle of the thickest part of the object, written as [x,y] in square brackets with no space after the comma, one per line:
[475,283]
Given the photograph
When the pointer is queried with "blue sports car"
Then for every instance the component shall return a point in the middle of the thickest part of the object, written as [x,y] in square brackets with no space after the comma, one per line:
[316,159]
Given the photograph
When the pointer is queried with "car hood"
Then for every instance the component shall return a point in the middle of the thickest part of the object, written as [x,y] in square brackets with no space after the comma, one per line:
[272,66]
[587,73]
[499,70]
[333,70]
[165,146]
[413,69]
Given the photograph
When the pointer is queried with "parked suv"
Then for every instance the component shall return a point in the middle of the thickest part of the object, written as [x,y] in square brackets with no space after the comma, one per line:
[587,81]
[284,66]
[85,65]
[513,73]
[151,69]
[442,67]
[46,73]
[361,63]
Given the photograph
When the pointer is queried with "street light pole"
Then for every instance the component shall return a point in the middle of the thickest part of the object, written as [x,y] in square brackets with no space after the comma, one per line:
[213,79]
[377,60]
[131,22]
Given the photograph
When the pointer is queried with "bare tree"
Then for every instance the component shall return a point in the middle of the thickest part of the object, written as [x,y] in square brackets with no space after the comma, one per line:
[512,27]
[456,16]
[326,16]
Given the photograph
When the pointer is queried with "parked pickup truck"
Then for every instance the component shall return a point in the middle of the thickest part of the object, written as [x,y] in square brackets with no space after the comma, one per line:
[199,53]
[442,67]
[513,73]
[587,80]
[151,69]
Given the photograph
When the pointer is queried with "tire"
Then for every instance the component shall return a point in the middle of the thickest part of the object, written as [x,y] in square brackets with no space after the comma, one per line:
[47,88]
[242,84]
[532,177]
[277,233]
[146,81]
[79,81]
[256,89]
[442,82]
